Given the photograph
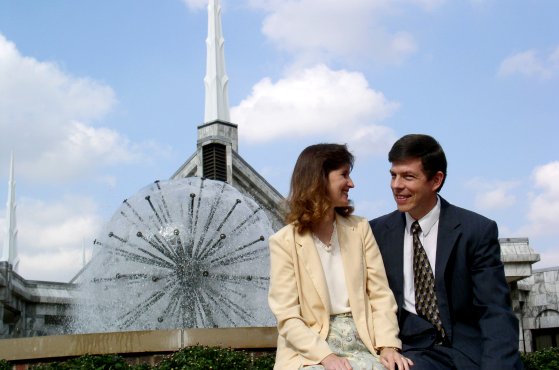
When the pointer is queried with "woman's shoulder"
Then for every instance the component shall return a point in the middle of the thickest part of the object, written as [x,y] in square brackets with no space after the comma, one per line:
[353,220]
[284,232]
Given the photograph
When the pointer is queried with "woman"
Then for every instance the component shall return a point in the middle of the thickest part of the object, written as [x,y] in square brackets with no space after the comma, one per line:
[328,286]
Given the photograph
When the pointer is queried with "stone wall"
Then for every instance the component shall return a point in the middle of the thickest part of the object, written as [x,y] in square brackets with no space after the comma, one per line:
[539,301]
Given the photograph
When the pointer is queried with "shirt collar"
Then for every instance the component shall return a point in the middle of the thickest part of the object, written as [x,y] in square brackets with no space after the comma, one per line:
[426,222]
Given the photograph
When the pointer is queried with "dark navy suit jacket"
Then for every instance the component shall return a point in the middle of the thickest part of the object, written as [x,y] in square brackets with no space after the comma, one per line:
[472,293]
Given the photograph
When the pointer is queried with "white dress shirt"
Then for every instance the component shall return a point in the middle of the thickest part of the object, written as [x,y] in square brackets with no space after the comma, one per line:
[428,237]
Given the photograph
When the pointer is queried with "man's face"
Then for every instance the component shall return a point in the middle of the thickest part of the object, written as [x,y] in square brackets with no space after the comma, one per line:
[412,191]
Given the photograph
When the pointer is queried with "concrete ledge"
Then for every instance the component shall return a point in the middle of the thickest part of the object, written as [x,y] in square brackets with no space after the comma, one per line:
[157,341]
[238,338]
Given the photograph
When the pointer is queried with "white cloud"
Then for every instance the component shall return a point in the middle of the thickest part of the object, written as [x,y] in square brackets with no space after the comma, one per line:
[429,4]
[338,105]
[317,30]
[530,64]
[60,265]
[46,117]
[51,236]
[82,149]
[543,213]
[108,180]
[493,195]
[548,257]
[495,199]
[196,4]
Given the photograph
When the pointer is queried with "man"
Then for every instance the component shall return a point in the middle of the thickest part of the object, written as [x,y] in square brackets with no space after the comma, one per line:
[445,269]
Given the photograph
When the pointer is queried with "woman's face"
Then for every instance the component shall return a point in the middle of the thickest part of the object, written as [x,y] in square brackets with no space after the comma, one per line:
[339,184]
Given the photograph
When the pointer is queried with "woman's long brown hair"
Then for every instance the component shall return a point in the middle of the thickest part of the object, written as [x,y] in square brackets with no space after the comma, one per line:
[308,199]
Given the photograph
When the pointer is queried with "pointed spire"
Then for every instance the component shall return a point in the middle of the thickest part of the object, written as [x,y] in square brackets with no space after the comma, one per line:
[10,242]
[217,102]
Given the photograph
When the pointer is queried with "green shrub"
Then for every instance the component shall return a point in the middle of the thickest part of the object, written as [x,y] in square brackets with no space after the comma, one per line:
[264,362]
[189,358]
[141,367]
[87,362]
[5,365]
[216,358]
[546,359]
[205,358]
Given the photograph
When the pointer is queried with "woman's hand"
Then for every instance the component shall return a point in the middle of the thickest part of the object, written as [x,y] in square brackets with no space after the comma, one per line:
[333,362]
[394,360]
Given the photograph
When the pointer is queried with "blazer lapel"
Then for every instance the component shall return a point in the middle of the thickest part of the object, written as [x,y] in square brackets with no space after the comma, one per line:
[351,249]
[309,256]
[448,234]
[352,257]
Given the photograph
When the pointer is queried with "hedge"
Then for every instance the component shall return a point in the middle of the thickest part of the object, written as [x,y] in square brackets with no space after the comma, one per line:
[546,359]
[189,358]
[207,358]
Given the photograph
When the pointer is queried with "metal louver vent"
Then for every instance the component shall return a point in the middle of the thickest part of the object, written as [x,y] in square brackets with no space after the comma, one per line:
[214,162]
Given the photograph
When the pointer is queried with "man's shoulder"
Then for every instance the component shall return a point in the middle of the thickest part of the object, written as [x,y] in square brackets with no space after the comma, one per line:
[451,210]
[387,219]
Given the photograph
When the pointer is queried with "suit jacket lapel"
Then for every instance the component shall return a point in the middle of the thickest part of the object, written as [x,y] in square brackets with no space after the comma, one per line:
[311,260]
[448,235]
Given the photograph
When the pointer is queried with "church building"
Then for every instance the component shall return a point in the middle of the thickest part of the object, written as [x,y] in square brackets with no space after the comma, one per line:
[34,308]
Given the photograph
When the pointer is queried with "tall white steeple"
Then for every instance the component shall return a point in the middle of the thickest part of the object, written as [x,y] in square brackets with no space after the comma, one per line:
[217,102]
[9,252]
[217,147]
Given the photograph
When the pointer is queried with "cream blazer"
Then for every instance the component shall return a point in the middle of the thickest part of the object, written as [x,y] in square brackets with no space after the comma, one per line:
[298,294]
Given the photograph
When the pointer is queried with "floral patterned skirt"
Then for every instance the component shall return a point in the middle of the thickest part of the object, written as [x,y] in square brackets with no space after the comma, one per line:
[344,341]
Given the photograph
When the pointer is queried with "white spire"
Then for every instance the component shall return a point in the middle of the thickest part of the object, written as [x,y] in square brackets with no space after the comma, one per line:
[10,242]
[217,102]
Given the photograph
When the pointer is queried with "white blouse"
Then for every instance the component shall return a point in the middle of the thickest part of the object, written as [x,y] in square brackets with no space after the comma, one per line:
[333,268]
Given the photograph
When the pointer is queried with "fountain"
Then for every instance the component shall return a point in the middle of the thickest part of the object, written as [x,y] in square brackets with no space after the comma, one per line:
[183,262]
[186,253]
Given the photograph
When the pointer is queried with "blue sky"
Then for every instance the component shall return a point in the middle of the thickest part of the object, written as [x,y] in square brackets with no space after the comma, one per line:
[100,98]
